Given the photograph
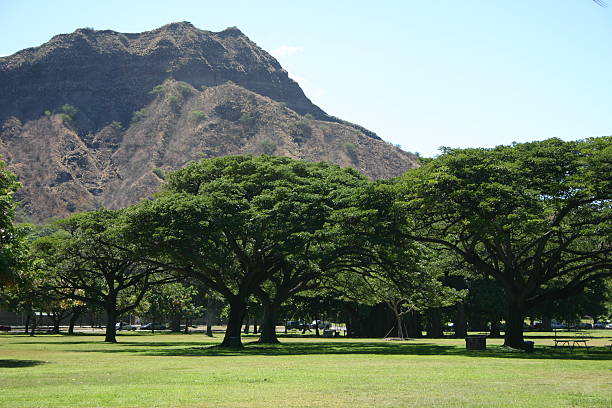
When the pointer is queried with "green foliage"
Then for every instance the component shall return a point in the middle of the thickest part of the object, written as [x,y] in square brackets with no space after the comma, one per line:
[138,115]
[309,116]
[383,267]
[68,112]
[159,173]
[231,220]
[267,146]
[248,120]
[116,125]
[158,90]
[351,150]
[198,115]
[88,260]
[301,130]
[11,241]
[171,301]
[48,113]
[185,88]
[534,216]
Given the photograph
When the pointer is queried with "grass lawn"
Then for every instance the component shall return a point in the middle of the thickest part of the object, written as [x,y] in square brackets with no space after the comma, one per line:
[174,370]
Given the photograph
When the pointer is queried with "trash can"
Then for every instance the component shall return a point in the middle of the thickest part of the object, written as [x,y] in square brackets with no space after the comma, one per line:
[528,346]
[328,333]
[478,342]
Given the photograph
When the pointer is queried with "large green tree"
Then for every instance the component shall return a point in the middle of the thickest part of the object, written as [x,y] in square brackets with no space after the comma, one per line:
[12,250]
[534,216]
[234,222]
[86,260]
[377,264]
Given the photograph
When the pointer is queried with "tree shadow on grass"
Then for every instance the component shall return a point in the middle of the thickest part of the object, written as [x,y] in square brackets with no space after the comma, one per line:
[20,363]
[180,349]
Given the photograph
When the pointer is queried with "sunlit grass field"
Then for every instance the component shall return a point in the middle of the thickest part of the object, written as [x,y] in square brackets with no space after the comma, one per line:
[176,370]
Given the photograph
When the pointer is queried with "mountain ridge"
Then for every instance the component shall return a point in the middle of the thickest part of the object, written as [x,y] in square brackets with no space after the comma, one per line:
[95,118]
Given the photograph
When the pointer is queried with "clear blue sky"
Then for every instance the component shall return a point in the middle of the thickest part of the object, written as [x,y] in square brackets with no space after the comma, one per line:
[422,74]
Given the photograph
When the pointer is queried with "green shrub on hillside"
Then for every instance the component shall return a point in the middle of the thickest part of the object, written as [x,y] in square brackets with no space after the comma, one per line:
[301,130]
[267,146]
[247,120]
[185,88]
[138,115]
[159,173]
[198,115]
[351,149]
[69,111]
[157,90]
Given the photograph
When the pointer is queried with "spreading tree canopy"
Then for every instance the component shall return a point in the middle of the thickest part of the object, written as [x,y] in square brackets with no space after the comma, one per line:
[534,216]
[87,260]
[235,222]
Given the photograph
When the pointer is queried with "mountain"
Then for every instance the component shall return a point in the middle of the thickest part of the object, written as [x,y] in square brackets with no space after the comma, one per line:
[96,118]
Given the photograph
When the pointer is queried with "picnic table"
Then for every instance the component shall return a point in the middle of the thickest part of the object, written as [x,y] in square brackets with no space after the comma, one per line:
[577,338]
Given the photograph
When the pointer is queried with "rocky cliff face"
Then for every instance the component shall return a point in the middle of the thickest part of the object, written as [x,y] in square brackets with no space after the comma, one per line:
[108,75]
[144,104]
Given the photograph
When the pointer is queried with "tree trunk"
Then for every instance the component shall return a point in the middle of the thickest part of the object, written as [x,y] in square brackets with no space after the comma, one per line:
[56,323]
[460,325]
[514,326]
[546,323]
[186,326]
[400,325]
[111,321]
[209,317]
[27,322]
[234,324]
[255,329]
[76,313]
[268,324]
[495,329]
[34,322]
[353,324]
[247,324]
[175,323]
[434,323]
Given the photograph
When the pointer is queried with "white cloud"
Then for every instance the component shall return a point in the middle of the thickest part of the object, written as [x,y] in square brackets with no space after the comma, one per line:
[286,51]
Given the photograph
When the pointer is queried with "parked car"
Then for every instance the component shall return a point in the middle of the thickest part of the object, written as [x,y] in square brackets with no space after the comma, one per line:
[153,326]
[599,325]
[124,326]
[5,328]
[609,326]
[295,324]
[322,324]
[584,326]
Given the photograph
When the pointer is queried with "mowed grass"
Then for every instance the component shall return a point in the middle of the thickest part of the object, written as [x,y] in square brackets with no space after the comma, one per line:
[174,370]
